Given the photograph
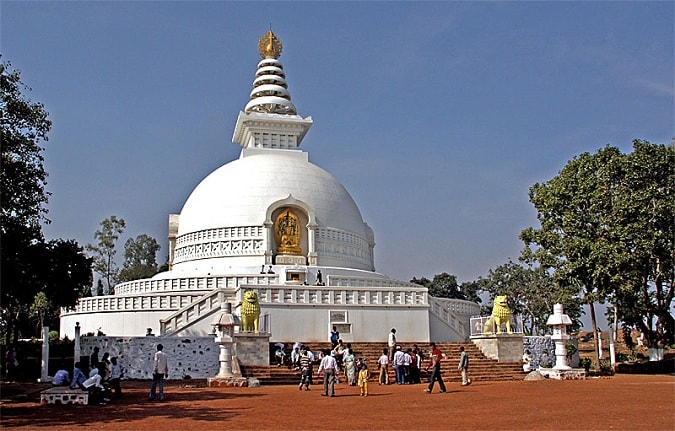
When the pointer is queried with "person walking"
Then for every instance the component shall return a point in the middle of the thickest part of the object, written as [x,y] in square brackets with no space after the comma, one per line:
[305,369]
[329,369]
[463,366]
[160,371]
[334,337]
[435,363]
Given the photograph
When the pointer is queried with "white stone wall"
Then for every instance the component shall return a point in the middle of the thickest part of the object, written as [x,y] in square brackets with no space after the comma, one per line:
[189,357]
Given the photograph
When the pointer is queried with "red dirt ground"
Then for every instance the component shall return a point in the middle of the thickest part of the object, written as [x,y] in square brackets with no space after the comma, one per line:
[621,402]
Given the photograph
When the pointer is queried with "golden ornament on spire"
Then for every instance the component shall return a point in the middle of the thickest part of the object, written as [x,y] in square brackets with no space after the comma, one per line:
[269,45]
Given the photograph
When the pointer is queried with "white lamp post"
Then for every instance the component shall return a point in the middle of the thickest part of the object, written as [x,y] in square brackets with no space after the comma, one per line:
[224,323]
[558,322]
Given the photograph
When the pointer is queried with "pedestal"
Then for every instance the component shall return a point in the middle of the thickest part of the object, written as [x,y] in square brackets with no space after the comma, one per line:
[502,347]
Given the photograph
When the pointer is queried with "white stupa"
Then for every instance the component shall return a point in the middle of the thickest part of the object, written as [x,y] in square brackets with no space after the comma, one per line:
[274,222]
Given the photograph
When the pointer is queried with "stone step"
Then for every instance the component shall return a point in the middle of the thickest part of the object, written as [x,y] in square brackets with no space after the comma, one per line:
[481,368]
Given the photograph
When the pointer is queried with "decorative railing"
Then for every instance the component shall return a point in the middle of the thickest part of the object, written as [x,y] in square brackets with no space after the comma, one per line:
[207,283]
[454,313]
[197,310]
[485,325]
[332,295]
[112,303]
[349,281]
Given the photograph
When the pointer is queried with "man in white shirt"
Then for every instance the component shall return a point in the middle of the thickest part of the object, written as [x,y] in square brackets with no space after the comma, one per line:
[329,368]
[161,369]
[398,365]
[391,342]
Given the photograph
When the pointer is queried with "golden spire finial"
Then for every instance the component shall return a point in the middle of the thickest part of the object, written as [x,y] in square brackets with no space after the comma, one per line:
[269,45]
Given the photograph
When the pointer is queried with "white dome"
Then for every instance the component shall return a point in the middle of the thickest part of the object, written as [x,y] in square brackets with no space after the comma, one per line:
[228,213]
[240,193]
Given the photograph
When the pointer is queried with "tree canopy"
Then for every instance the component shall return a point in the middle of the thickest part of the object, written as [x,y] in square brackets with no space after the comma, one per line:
[607,228]
[445,285]
[140,258]
[44,275]
[104,250]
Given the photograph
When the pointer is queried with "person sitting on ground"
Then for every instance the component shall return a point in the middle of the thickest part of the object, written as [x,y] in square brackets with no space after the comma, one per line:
[97,392]
[78,377]
[280,356]
[61,378]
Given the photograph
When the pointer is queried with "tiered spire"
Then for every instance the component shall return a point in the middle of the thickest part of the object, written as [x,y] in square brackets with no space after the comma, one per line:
[270,91]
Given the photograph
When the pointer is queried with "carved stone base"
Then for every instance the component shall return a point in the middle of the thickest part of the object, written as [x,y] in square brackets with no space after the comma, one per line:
[290,259]
[571,374]
[238,382]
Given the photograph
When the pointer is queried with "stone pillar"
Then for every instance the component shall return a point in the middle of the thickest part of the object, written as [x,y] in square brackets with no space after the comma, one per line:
[76,348]
[44,370]
[311,244]
[268,236]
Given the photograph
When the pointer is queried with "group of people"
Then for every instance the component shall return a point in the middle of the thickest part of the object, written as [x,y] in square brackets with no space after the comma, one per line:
[103,377]
[330,369]
[100,380]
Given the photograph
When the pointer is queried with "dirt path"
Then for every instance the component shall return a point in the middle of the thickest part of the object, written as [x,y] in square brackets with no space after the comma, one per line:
[621,402]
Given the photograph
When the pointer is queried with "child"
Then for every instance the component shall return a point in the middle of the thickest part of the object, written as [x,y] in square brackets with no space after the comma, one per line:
[363,379]
[383,366]
[116,374]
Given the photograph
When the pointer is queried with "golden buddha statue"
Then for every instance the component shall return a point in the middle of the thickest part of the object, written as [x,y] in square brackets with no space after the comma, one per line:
[287,233]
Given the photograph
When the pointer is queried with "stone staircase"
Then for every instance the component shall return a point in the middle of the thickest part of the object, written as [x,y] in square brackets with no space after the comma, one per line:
[481,368]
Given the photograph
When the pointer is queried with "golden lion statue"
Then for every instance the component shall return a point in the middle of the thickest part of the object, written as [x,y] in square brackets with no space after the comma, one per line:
[500,314]
[250,312]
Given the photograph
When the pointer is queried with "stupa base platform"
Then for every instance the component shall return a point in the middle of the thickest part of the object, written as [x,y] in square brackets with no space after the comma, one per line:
[571,374]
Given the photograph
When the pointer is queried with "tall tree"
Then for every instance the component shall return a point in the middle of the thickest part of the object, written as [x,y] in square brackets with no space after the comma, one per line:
[23,177]
[574,237]
[140,258]
[23,126]
[47,275]
[643,218]
[104,251]
[597,233]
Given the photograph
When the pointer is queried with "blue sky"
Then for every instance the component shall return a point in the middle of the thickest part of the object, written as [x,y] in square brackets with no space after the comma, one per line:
[436,116]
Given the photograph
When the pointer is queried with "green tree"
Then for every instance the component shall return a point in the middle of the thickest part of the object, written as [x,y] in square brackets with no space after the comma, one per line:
[643,219]
[597,234]
[45,275]
[39,309]
[23,177]
[442,286]
[104,251]
[24,125]
[574,239]
[471,291]
[140,258]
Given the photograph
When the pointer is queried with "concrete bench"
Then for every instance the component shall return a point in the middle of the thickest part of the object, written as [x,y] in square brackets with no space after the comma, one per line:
[64,395]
